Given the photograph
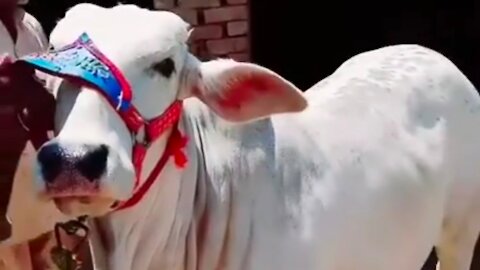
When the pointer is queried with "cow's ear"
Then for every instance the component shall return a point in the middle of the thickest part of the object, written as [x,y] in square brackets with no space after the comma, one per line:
[241,92]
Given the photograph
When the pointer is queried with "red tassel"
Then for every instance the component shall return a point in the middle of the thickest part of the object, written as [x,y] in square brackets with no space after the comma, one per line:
[178,142]
[180,159]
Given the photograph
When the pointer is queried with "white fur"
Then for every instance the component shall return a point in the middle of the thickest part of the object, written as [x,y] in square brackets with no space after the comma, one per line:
[381,166]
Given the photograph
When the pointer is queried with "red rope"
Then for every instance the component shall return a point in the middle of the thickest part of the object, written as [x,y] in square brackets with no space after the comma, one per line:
[176,143]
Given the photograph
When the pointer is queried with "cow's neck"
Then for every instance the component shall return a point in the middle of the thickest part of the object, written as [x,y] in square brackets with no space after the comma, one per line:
[183,223]
[153,234]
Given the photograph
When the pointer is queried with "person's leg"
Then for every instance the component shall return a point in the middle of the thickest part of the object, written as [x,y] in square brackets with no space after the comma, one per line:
[16,257]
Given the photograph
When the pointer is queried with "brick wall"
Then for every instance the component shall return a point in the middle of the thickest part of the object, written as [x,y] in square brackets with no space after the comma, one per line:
[220,26]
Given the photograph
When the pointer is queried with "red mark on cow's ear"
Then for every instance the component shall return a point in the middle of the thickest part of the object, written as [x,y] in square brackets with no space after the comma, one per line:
[242,92]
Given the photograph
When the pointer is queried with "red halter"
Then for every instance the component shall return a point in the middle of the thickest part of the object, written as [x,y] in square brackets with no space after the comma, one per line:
[175,143]
[150,131]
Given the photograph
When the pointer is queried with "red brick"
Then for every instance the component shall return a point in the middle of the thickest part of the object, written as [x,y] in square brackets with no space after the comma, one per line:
[199,3]
[164,4]
[240,57]
[236,2]
[228,45]
[207,32]
[189,15]
[225,14]
[237,28]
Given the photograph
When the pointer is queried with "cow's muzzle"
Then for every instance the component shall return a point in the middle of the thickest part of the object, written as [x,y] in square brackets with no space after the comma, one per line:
[65,167]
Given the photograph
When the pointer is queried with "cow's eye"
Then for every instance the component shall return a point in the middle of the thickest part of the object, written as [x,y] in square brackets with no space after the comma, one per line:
[165,68]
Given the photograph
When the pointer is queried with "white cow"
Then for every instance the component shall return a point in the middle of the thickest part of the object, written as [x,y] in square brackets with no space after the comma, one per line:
[367,170]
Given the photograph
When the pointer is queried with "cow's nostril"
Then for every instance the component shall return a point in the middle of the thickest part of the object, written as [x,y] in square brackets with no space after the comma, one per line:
[93,164]
[50,160]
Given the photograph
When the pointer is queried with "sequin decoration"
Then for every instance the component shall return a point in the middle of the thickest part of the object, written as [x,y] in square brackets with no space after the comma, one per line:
[78,60]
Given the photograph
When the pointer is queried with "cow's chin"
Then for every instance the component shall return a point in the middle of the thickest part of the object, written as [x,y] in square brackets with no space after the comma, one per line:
[75,206]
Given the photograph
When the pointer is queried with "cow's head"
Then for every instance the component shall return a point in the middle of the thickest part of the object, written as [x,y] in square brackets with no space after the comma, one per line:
[88,166]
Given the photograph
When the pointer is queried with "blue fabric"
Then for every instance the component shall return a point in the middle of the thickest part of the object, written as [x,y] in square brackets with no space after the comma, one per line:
[77,61]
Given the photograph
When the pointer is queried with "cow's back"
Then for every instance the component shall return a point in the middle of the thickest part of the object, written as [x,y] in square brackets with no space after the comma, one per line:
[410,98]
[362,179]
[385,155]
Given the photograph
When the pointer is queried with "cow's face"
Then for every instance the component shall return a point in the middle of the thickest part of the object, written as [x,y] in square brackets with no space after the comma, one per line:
[88,166]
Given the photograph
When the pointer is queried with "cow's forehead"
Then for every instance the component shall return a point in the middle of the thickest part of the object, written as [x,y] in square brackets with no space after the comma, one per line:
[124,29]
